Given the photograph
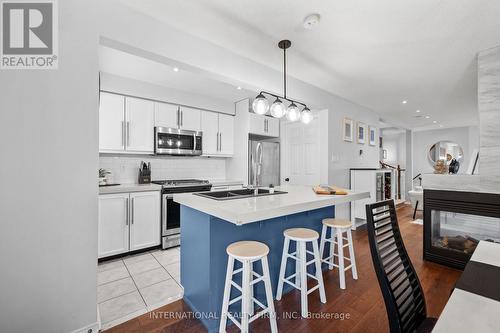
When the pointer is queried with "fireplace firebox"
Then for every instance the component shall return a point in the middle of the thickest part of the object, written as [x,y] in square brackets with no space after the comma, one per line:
[455,222]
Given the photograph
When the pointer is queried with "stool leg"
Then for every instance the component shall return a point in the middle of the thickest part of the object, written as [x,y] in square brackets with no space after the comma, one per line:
[340,247]
[352,256]
[332,248]
[322,242]
[227,294]
[279,290]
[269,295]
[245,297]
[319,273]
[303,278]
[297,264]
[250,289]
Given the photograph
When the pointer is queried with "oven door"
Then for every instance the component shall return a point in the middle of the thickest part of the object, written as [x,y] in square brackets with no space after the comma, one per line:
[173,141]
[171,215]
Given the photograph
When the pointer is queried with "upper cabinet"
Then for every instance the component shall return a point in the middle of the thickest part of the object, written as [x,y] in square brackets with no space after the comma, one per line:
[111,122]
[139,116]
[125,124]
[218,134]
[166,115]
[174,116]
[190,119]
[262,125]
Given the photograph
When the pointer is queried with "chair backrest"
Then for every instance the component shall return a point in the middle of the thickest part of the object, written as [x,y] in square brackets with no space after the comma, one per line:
[403,295]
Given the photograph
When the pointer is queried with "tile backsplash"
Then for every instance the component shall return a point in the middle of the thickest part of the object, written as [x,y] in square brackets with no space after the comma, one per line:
[124,169]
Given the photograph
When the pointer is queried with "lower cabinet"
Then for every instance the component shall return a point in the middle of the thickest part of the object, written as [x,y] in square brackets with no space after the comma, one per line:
[128,222]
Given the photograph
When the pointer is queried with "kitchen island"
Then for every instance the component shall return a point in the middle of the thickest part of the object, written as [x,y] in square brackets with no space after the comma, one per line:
[208,226]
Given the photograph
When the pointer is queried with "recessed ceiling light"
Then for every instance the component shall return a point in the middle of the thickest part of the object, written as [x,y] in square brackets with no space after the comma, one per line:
[175,69]
[311,21]
[427,117]
[238,87]
[404,102]
[417,111]
[440,125]
[434,122]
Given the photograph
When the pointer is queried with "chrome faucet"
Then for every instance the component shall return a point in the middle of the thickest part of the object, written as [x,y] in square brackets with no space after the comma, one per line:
[256,168]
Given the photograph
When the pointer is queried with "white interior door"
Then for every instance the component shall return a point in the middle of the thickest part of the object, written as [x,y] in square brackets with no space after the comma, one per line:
[301,163]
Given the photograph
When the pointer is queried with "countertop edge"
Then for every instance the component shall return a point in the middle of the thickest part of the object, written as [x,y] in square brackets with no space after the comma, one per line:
[125,188]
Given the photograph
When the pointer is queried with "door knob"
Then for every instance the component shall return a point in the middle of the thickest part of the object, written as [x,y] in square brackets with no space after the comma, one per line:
[287,179]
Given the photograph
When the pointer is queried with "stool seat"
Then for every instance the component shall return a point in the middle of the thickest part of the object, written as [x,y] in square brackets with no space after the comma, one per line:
[337,223]
[247,250]
[301,234]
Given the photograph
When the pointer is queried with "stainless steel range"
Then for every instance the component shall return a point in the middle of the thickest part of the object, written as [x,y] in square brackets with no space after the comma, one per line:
[170,210]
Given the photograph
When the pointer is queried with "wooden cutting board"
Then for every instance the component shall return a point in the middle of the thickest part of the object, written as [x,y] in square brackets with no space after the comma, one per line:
[329,190]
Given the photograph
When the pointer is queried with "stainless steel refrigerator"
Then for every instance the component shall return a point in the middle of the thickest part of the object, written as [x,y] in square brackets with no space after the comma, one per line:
[263,162]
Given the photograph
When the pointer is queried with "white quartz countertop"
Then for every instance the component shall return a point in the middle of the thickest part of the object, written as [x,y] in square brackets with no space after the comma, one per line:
[122,188]
[246,210]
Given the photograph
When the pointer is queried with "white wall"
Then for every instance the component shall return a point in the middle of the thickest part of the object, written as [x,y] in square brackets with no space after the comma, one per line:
[124,168]
[395,145]
[48,196]
[467,137]
[127,86]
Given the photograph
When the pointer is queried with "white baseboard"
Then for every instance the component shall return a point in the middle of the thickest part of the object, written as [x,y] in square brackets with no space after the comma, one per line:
[92,328]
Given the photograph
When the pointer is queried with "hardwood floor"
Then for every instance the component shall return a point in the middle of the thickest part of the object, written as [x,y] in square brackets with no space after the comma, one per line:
[361,303]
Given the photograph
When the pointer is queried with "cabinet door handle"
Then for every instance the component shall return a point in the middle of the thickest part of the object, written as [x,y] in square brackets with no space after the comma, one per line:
[123,134]
[128,133]
[217,146]
[220,141]
[182,118]
[126,211]
[132,212]
[178,116]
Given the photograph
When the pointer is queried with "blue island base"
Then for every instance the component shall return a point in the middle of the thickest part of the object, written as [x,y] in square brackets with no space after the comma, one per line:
[204,239]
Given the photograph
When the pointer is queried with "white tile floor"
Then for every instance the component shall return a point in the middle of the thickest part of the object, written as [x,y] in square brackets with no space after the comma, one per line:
[134,285]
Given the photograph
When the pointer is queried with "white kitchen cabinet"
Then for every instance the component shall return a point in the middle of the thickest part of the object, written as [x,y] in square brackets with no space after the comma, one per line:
[144,220]
[210,129]
[113,224]
[128,222]
[226,134]
[273,127]
[111,123]
[262,125]
[166,115]
[218,134]
[139,116]
[190,118]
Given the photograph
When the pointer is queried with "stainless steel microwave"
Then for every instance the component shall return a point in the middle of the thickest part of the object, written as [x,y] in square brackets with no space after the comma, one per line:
[174,141]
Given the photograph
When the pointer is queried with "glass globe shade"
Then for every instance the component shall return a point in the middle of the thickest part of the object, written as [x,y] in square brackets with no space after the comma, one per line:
[278,109]
[260,104]
[293,113]
[306,116]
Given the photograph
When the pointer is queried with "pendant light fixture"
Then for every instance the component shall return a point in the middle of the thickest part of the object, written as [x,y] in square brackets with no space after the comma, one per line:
[279,109]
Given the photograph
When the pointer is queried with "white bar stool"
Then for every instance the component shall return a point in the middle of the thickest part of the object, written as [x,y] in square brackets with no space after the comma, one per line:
[247,252]
[338,227]
[301,236]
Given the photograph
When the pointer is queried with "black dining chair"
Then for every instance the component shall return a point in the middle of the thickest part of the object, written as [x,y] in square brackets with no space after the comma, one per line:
[398,280]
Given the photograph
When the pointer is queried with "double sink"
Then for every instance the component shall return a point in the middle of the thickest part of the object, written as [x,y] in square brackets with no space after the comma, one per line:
[237,194]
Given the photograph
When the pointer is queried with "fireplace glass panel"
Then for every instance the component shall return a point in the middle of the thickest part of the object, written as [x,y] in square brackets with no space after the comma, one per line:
[462,232]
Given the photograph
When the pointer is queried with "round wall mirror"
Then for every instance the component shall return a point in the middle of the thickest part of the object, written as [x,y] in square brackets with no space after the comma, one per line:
[446,151]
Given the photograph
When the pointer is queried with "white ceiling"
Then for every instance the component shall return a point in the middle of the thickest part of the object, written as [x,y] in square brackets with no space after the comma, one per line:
[375,53]
[138,68]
